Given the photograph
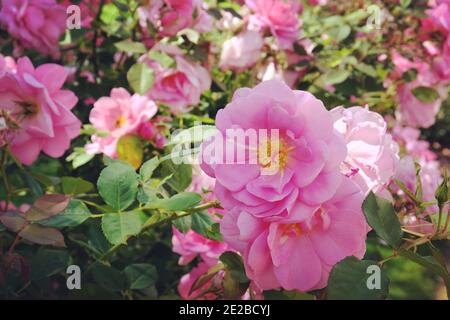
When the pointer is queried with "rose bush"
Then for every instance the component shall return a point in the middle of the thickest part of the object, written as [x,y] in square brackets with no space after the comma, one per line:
[203,149]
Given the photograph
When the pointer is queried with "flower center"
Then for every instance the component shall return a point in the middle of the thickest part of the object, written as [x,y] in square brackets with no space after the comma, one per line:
[121,122]
[273,154]
[291,230]
[29,108]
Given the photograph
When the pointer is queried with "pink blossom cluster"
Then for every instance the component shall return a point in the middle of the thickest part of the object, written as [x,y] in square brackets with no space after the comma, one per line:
[179,85]
[432,68]
[35,24]
[417,152]
[262,18]
[34,98]
[294,225]
[169,17]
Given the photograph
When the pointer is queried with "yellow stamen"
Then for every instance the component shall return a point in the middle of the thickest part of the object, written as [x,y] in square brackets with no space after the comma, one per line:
[121,122]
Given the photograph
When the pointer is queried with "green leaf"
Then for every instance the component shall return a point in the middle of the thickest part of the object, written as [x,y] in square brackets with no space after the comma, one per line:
[73,185]
[235,280]
[147,169]
[79,157]
[109,278]
[179,202]
[201,223]
[349,281]
[410,75]
[405,3]
[147,195]
[380,215]
[366,69]
[48,262]
[96,239]
[118,227]
[429,263]
[118,185]
[131,47]
[181,175]
[183,224]
[334,77]
[213,232]
[75,214]
[140,77]
[141,276]
[340,32]
[426,94]
[163,59]
[196,134]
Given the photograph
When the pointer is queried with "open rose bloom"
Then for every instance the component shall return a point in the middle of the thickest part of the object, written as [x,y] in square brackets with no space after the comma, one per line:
[42,109]
[36,24]
[292,223]
[117,116]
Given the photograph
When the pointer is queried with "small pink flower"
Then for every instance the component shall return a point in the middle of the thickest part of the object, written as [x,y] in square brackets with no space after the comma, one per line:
[172,16]
[118,115]
[305,165]
[409,138]
[36,24]
[242,51]
[298,252]
[372,155]
[279,16]
[41,108]
[179,86]
[414,112]
[191,244]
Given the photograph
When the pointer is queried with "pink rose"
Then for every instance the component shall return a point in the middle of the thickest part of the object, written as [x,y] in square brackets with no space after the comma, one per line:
[372,155]
[293,157]
[42,109]
[179,86]
[279,16]
[414,112]
[191,244]
[409,139]
[242,51]
[172,16]
[36,24]
[118,115]
[298,252]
